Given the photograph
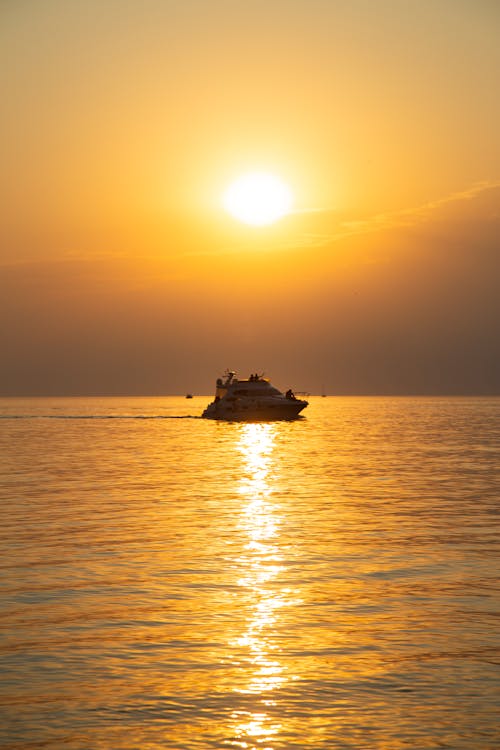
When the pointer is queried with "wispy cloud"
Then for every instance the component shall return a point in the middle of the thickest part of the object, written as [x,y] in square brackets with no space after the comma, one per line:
[407,217]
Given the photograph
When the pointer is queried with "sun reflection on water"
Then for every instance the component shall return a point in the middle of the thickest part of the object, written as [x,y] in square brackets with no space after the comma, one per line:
[261,563]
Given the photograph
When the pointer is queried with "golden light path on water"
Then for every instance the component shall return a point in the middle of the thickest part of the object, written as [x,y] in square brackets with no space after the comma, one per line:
[260,522]
[170,582]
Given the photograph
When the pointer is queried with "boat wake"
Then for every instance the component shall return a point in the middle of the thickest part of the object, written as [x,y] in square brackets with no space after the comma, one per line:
[99,416]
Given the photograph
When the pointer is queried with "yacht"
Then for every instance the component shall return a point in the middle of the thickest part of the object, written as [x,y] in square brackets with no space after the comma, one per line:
[251,399]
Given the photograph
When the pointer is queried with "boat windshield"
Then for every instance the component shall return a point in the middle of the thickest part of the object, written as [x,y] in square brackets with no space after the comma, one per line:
[261,389]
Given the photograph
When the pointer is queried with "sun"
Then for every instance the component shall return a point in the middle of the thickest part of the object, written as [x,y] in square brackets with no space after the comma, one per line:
[258,198]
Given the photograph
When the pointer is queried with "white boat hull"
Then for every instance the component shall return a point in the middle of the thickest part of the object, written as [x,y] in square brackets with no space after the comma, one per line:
[247,411]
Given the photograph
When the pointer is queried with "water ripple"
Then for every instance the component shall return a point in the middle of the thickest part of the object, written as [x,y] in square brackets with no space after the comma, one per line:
[169,582]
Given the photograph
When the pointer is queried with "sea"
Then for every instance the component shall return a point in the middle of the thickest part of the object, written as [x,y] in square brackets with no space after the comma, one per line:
[171,582]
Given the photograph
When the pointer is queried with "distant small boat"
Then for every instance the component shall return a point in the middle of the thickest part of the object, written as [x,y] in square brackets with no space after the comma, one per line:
[189,395]
[252,399]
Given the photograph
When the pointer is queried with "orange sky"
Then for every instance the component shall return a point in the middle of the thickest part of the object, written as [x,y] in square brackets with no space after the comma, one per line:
[124,122]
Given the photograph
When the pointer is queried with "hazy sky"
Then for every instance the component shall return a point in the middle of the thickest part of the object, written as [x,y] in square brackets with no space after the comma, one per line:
[124,121]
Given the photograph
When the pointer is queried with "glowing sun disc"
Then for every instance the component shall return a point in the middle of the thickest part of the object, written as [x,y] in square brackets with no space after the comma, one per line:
[258,198]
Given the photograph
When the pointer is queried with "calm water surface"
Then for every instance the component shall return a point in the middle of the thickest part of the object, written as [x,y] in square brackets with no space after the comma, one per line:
[180,583]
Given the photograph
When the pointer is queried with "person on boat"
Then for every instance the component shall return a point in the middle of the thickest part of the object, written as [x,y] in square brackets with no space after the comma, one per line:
[290,394]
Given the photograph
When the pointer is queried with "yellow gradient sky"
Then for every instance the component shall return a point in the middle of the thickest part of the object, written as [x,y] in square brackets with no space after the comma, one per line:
[124,122]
